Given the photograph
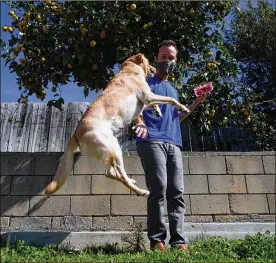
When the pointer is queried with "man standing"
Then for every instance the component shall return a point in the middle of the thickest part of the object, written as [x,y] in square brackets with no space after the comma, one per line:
[158,145]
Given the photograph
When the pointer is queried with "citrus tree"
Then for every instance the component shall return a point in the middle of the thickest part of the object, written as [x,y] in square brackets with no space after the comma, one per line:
[53,43]
[254,40]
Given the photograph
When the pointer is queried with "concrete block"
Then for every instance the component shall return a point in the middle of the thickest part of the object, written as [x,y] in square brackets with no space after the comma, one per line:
[260,183]
[244,218]
[209,204]
[187,204]
[4,223]
[103,185]
[90,205]
[79,184]
[220,184]
[195,184]
[140,182]
[140,220]
[29,185]
[72,223]
[5,184]
[88,165]
[248,204]
[30,223]
[269,164]
[271,203]
[47,164]
[231,218]
[269,218]
[133,165]
[207,165]
[14,205]
[244,165]
[53,206]
[17,165]
[114,223]
[128,205]
[198,219]
[185,161]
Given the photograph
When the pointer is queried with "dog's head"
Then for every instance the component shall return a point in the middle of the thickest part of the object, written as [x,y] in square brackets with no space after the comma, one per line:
[143,62]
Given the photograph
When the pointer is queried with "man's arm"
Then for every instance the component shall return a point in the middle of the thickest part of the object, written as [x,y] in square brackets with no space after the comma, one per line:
[182,116]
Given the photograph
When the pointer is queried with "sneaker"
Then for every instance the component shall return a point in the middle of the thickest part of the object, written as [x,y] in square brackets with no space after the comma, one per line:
[183,247]
[158,246]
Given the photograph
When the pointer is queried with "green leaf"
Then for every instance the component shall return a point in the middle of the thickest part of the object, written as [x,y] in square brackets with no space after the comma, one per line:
[80,59]
[86,92]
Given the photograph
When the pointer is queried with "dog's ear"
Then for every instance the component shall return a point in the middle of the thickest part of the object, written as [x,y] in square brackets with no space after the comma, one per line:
[140,58]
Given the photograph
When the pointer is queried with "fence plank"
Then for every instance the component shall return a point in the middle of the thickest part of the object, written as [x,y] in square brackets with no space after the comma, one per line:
[74,112]
[40,124]
[25,138]
[17,128]
[8,110]
[56,141]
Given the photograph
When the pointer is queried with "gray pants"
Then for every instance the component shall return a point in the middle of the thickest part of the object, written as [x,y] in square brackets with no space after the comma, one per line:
[162,163]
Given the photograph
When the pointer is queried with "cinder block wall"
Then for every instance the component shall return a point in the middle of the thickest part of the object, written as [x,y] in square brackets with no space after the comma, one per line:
[219,187]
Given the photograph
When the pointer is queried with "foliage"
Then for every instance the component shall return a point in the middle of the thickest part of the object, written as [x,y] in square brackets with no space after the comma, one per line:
[253,38]
[82,41]
[137,242]
[53,43]
[257,248]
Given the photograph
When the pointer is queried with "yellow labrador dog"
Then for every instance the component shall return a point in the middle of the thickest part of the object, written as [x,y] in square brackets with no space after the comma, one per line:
[123,100]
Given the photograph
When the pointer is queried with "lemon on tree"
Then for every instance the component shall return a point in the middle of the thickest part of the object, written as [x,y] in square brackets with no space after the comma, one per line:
[84,31]
[5,28]
[10,29]
[212,113]
[24,100]
[92,43]
[132,7]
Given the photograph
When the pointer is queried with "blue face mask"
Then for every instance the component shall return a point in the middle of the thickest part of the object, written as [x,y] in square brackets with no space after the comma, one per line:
[166,67]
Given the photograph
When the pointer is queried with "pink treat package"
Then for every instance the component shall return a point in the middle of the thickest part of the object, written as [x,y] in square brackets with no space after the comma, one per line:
[207,87]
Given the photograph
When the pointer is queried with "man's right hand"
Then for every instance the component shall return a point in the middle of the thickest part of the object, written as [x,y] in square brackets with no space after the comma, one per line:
[141,130]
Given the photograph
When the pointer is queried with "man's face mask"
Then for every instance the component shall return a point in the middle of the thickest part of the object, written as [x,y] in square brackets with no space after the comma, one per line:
[166,67]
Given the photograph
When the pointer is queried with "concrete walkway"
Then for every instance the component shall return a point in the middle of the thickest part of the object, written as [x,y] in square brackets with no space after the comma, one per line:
[80,240]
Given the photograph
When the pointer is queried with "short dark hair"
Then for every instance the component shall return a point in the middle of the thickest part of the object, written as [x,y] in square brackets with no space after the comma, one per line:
[168,43]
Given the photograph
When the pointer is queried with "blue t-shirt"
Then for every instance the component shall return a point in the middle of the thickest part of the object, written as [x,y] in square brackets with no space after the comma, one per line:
[166,128]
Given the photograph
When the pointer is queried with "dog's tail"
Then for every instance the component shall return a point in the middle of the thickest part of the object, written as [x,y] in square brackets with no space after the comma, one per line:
[64,168]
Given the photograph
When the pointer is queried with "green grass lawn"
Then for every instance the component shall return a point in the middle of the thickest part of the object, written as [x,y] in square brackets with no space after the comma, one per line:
[258,248]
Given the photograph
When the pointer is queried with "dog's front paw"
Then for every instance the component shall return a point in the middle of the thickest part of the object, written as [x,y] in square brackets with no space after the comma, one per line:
[157,111]
[158,114]
[184,109]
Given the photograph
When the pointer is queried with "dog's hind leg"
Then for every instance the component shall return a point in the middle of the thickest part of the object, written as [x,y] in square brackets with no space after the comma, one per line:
[110,173]
[115,159]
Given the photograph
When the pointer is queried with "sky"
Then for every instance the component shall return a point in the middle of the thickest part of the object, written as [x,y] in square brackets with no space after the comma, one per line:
[9,90]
